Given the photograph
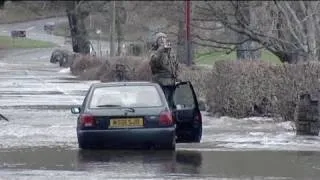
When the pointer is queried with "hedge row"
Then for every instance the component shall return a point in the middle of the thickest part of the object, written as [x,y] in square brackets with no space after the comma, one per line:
[232,88]
[251,88]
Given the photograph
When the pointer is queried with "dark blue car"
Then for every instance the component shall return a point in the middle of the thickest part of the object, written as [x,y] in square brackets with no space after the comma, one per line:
[136,114]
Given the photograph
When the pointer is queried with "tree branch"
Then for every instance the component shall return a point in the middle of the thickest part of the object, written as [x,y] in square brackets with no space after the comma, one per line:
[204,19]
[239,13]
[290,27]
[255,49]
[294,15]
[221,42]
[211,45]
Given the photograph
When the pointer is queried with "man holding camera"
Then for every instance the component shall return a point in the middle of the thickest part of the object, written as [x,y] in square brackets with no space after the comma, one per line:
[163,66]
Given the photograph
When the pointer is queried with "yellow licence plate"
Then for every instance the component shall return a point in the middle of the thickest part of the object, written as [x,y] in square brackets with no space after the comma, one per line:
[126,123]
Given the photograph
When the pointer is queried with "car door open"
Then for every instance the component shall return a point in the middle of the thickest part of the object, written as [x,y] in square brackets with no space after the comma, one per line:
[187,113]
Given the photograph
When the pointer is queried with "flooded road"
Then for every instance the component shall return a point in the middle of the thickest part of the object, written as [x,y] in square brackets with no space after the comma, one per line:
[64,163]
[39,141]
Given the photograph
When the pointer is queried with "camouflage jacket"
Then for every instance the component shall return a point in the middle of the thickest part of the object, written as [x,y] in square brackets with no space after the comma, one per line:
[163,67]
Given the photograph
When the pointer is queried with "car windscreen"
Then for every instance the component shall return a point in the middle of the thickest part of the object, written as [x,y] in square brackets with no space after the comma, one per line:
[125,96]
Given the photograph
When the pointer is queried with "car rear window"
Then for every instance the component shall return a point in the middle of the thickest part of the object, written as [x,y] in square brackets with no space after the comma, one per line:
[125,96]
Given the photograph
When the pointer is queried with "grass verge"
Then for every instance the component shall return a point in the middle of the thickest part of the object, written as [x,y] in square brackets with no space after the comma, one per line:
[210,58]
[7,42]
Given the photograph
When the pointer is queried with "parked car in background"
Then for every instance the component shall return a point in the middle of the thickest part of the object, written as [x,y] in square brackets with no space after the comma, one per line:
[18,34]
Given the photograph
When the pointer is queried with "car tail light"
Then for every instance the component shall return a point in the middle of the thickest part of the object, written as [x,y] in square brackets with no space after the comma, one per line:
[198,117]
[166,118]
[87,120]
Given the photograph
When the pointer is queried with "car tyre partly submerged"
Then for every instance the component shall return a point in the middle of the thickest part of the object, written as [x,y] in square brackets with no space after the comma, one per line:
[170,146]
[82,145]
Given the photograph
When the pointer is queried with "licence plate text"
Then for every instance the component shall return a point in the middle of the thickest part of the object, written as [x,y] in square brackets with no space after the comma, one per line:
[126,123]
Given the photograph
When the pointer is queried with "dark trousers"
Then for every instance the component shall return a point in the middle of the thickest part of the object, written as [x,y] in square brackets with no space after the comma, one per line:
[168,92]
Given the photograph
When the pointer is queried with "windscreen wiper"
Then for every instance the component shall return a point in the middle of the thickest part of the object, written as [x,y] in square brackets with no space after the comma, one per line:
[115,105]
[130,109]
[109,105]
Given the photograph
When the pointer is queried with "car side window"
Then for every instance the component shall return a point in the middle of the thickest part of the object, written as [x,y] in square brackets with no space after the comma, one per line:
[183,97]
[83,105]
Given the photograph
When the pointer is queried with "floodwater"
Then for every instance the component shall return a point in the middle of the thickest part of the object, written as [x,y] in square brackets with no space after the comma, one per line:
[39,141]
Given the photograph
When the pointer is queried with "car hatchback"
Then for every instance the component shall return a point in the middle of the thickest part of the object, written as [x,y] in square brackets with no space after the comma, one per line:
[122,114]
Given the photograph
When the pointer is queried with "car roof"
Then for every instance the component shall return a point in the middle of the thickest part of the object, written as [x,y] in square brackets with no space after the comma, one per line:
[124,83]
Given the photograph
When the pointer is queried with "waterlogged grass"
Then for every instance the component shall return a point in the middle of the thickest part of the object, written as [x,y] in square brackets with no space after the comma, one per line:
[7,42]
[210,58]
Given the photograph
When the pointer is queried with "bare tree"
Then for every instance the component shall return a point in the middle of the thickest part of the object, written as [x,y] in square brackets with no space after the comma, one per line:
[106,8]
[173,13]
[247,50]
[76,15]
[286,28]
[121,16]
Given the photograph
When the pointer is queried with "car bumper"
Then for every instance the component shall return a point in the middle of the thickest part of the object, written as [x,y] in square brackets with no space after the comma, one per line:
[127,137]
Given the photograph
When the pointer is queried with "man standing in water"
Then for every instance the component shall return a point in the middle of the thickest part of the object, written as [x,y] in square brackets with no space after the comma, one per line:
[164,67]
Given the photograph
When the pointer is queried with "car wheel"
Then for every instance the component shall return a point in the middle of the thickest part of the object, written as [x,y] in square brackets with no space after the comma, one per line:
[170,146]
[83,145]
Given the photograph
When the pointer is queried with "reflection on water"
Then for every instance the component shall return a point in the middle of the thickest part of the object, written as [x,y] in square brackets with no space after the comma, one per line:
[226,164]
[187,162]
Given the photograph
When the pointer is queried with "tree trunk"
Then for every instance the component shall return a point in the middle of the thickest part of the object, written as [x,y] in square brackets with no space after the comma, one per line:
[291,58]
[248,50]
[79,35]
[118,22]
[72,19]
[119,38]
[112,48]
[311,34]
[84,39]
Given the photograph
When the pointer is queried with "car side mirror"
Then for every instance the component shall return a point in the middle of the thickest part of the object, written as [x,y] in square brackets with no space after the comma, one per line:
[75,110]
[202,105]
